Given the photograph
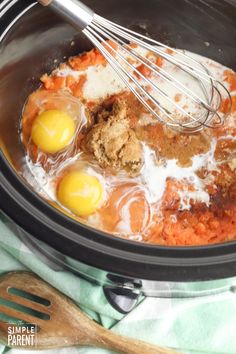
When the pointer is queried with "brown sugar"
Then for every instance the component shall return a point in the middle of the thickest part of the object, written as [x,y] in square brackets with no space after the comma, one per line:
[112,142]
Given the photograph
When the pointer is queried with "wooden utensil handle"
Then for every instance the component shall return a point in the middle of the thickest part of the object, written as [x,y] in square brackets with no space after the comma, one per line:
[45,2]
[126,345]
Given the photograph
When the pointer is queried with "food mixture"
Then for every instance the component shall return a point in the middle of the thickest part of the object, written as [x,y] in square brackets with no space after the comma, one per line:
[97,154]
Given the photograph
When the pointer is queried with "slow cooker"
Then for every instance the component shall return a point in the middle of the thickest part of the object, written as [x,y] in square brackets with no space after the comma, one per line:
[32,41]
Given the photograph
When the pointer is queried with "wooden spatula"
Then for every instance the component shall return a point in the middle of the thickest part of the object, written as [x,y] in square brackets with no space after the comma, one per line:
[58,319]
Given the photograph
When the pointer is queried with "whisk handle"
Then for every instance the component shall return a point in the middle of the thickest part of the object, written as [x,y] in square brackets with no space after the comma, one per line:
[74,11]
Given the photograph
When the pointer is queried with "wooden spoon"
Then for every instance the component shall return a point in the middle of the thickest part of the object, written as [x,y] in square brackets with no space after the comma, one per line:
[59,320]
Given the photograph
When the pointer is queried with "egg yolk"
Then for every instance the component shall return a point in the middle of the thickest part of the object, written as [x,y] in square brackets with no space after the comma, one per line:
[53,130]
[80,192]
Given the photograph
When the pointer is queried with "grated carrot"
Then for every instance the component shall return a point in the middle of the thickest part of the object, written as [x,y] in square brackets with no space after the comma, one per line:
[178,97]
[225,106]
[144,70]
[169,51]
[76,87]
[87,59]
[230,77]
[112,44]
[53,82]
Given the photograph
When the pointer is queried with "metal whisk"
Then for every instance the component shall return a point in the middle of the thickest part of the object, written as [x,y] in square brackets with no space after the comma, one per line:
[125,57]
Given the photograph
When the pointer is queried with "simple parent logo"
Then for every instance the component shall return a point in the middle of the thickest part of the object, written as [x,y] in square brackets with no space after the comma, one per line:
[22,336]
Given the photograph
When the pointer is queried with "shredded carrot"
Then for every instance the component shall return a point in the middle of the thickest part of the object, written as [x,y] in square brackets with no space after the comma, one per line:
[59,82]
[178,97]
[87,59]
[159,61]
[155,58]
[70,80]
[133,45]
[77,86]
[234,104]
[230,77]
[225,106]
[56,83]
[171,197]
[170,51]
[201,227]
[108,43]
[131,61]
[53,82]
[47,81]
[144,70]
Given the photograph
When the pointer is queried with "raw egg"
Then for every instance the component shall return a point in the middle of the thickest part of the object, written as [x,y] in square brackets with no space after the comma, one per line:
[53,130]
[80,192]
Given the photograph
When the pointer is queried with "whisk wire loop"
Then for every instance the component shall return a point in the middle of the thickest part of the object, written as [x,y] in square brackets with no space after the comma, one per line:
[144,78]
[157,85]
[125,59]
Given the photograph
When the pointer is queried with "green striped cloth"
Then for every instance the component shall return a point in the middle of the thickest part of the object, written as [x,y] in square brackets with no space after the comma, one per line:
[192,326]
